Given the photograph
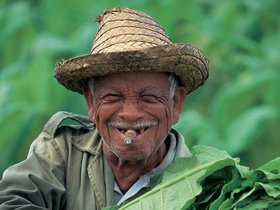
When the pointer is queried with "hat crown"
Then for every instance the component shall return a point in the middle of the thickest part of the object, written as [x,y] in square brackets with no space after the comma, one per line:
[127,30]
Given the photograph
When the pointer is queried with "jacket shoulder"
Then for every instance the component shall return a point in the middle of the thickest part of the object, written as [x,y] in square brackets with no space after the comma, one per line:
[60,119]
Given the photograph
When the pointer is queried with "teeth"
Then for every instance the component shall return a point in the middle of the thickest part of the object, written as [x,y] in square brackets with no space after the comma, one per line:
[142,130]
[138,131]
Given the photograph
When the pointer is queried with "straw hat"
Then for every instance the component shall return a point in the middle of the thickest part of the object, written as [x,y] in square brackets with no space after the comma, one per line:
[126,41]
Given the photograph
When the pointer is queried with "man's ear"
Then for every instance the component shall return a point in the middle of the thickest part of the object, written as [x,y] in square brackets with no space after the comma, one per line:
[89,103]
[178,100]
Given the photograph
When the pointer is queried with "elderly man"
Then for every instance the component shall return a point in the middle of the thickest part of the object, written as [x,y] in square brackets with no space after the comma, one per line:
[134,83]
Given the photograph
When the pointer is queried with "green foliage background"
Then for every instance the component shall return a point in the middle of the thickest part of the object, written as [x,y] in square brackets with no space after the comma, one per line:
[236,110]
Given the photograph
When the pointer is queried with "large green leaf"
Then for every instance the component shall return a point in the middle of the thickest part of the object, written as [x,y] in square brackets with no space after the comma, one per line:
[211,179]
[272,165]
[252,189]
[182,178]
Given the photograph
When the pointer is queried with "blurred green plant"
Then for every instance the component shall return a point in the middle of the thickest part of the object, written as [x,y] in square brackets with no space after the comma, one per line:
[237,109]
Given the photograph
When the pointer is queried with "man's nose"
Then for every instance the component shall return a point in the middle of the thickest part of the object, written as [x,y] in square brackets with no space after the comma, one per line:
[131,111]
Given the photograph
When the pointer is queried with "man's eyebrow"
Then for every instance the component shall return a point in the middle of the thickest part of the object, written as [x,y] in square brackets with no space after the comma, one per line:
[148,89]
[153,90]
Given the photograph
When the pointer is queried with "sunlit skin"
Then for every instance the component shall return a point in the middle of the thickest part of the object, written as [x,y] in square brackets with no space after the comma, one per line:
[131,97]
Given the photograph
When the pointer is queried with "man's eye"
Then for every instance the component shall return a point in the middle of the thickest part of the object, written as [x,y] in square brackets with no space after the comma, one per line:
[149,98]
[112,98]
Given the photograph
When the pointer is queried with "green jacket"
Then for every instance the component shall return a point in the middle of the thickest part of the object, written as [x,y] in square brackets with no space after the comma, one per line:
[65,169]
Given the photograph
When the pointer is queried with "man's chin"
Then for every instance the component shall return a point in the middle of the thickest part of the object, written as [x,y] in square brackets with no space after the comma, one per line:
[132,156]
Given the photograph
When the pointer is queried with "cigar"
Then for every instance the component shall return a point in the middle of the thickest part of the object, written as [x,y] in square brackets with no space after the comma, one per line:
[130,136]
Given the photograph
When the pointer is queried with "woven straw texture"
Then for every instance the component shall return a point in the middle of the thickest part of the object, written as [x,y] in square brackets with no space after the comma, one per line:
[127,31]
[126,41]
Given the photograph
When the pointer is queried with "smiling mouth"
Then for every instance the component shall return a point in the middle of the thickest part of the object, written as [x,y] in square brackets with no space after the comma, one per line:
[139,127]
[137,131]
[131,131]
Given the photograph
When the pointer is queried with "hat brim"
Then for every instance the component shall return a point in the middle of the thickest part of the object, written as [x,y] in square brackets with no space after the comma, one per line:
[184,60]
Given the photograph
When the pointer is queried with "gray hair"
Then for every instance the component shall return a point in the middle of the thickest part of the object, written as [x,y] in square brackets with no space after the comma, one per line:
[172,80]
[173,84]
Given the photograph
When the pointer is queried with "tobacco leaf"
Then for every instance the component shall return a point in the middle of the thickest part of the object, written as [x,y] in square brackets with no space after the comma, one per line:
[253,189]
[213,180]
[181,181]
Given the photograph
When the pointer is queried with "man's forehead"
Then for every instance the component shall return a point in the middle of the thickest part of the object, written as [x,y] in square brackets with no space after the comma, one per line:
[134,76]
[139,80]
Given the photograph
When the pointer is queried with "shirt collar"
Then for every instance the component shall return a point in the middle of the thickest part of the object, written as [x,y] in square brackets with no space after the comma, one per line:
[144,181]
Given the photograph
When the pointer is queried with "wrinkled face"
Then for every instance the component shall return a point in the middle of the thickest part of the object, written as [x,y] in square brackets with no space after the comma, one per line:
[138,100]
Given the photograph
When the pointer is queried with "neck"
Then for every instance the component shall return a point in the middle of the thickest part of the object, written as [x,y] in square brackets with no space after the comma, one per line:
[127,172]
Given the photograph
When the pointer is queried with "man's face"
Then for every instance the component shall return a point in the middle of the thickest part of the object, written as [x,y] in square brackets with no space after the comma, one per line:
[140,99]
